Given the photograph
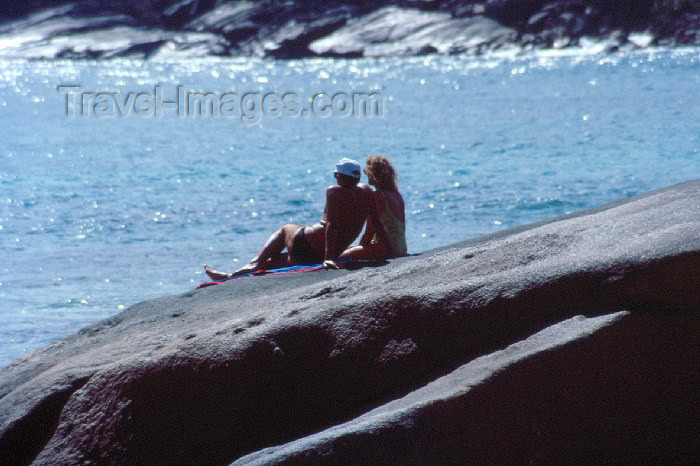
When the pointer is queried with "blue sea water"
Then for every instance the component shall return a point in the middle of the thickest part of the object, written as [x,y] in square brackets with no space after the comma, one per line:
[97,214]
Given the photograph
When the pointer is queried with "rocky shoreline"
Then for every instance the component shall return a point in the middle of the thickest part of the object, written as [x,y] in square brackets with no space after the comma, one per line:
[295,29]
[573,339]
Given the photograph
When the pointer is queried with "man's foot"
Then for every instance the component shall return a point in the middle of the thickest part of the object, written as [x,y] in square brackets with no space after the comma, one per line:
[214,275]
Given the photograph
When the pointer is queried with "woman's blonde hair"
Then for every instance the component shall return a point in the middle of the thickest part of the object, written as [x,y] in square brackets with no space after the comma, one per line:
[380,169]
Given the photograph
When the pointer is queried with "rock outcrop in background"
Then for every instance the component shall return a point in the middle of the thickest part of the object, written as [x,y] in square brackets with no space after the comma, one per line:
[576,339]
[294,29]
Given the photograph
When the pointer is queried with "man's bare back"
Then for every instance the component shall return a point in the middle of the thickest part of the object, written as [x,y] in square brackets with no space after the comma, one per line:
[347,209]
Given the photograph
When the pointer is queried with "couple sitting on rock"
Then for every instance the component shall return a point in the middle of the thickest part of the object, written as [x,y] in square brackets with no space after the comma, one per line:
[349,205]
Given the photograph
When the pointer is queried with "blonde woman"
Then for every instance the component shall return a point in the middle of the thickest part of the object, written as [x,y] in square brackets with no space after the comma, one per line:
[390,205]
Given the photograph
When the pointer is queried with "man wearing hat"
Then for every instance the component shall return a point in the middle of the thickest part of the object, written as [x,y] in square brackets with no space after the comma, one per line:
[349,204]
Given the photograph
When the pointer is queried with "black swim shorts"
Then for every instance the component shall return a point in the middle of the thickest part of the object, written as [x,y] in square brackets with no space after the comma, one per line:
[302,252]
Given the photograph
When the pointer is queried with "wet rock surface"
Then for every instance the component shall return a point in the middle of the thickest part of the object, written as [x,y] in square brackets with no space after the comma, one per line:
[393,31]
[295,29]
[574,338]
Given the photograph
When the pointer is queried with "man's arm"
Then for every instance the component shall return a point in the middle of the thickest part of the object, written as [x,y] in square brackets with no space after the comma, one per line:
[331,253]
[370,230]
[367,236]
[381,230]
[331,242]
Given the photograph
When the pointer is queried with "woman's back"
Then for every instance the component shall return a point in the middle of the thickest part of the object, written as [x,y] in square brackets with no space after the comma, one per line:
[392,212]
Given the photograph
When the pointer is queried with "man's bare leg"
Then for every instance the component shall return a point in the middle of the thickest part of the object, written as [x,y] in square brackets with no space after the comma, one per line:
[361,253]
[269,257]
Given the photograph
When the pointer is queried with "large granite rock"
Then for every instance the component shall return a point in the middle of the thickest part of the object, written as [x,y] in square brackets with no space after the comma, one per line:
[75,31]
[347,28]
[601,390]
[575,339]
[393,31]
